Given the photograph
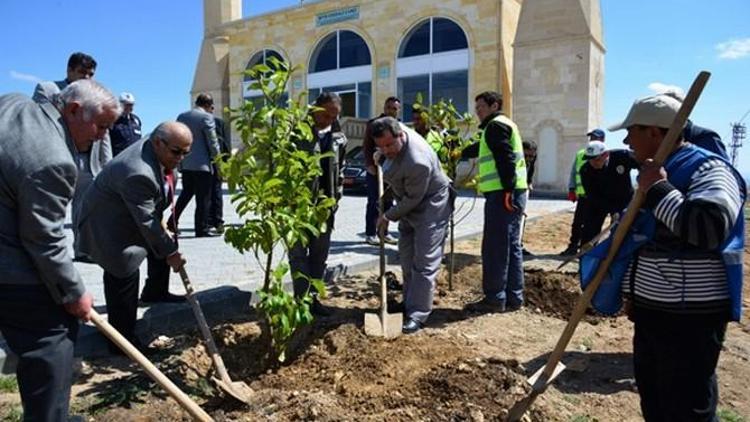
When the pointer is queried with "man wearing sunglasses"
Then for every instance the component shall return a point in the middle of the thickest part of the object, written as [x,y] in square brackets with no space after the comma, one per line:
[121,218]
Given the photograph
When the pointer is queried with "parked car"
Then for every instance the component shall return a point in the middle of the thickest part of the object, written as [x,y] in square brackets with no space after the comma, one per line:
[354,171]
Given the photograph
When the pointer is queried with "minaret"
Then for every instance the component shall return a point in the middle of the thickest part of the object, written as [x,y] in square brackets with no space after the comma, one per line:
[559,50]
[212,70]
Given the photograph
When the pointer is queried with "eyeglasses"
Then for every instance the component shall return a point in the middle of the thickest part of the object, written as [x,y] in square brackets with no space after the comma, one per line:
[177,152]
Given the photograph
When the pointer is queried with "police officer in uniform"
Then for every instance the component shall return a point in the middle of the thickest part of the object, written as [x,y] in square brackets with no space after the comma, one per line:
[127,129]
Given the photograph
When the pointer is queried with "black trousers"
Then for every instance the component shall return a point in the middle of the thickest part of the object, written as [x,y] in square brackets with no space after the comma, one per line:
[579,219]
[310,260]
[216,210]
[371,212]
[198,184]
[121,295]
[157,279]
[674,357]
[43,336]
[593,221]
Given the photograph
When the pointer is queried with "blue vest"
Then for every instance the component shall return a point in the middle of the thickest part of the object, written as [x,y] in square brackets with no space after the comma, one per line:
[680,166]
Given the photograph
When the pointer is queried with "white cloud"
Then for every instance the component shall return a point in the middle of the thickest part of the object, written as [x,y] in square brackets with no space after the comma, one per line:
[24,77]
[660,88]
[734,49]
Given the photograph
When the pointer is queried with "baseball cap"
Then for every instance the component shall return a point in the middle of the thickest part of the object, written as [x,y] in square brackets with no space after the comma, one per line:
[656,110]
[596,134]
[127,98]
[595,149]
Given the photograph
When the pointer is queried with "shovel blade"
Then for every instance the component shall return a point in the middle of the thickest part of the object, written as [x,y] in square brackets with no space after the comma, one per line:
[236,389]
[388,328]
[539,384]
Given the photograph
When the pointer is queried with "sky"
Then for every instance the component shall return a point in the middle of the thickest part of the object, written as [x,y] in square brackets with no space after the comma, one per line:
[150,48]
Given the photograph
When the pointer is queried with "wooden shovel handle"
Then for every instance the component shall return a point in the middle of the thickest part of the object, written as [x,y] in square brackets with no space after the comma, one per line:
[213,351]
[381,238]
[188,404]
[665,149]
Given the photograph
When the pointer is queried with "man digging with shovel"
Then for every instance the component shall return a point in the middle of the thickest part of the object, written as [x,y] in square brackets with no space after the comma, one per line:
[685,283]
[413,171]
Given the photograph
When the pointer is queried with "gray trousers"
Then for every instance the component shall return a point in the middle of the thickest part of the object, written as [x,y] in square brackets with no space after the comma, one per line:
[420,249]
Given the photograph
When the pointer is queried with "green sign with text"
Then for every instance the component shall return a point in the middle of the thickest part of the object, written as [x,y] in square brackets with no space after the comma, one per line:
[335,16]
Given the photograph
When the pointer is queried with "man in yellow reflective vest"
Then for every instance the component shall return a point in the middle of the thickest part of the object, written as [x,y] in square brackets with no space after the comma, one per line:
[577,194]
[502,181]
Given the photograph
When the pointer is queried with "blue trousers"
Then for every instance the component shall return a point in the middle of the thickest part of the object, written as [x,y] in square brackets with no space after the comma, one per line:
[43,336]
[502,257]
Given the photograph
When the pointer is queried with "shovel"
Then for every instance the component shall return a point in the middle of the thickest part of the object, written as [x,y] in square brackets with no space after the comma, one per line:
[383,324]
[189,405]
[237,389]
[588,245]
[542,379]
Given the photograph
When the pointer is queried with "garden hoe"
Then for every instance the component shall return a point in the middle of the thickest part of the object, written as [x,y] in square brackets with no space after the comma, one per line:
[237,389]
[383,324]
[186,402]
[542,379]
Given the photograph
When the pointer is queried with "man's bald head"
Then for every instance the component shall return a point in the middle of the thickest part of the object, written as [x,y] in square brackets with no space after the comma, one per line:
[172,142]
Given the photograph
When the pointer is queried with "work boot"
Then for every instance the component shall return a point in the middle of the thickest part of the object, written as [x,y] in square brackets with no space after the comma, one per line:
[319,310]
[571,250]
[485,306]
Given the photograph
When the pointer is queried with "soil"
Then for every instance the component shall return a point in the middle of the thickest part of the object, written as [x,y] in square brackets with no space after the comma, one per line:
[461,367]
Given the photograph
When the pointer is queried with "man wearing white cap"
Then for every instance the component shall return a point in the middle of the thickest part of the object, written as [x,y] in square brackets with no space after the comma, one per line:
[684,281]
[127,129]
[606,179]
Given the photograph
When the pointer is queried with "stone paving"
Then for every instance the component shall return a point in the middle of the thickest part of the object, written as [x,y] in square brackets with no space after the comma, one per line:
[225,279]
[212,263]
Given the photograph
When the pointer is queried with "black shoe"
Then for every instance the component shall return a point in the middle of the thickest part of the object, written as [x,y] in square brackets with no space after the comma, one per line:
[525,252]
[162,298]
[571,250]
[513,308]
[485,306]
[219,228]
[411,326]
[318,309]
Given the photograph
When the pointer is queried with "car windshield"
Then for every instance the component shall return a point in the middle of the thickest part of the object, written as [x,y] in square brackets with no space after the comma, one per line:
[355,157]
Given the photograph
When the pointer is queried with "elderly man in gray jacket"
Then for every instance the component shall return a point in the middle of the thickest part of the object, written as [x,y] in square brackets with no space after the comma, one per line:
[121,218]
[422,192]
[41,293]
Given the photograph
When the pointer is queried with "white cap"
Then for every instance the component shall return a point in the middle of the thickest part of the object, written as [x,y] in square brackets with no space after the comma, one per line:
[595,149]
[656,110]
[127,98]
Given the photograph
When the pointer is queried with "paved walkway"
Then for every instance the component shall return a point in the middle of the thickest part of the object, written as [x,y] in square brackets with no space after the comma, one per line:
[212,263]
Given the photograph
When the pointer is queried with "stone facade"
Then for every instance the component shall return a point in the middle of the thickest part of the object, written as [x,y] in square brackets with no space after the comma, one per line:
[554,73]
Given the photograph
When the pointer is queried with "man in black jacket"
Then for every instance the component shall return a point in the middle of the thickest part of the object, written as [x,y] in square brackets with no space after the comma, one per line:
[310,259]
[606,178]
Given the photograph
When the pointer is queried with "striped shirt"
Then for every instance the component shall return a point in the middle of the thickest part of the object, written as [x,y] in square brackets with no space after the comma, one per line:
[681,270]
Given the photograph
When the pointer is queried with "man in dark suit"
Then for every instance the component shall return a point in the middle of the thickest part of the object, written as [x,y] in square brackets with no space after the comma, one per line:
[216,211]
[422,191]
[197,168]
[121,218]
[41,292]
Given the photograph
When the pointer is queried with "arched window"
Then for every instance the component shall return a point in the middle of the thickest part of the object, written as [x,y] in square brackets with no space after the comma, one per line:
[342,63]
[433,60]
[264,57]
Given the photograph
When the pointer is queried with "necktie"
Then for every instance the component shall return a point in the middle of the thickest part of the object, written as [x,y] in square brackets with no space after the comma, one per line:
[169,178]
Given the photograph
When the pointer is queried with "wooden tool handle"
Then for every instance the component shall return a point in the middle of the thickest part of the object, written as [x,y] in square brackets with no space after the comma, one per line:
[381,237]
[213,351]
[665,149]
[189,405]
